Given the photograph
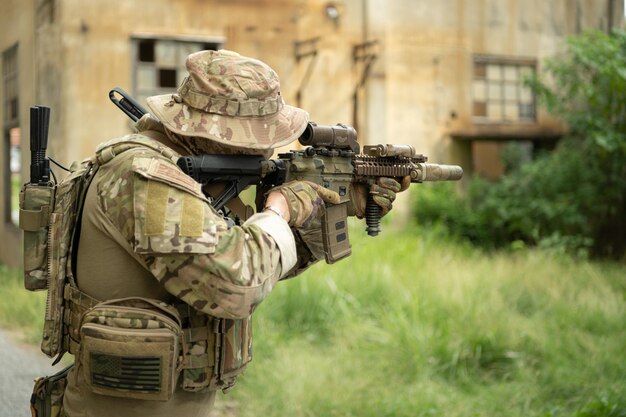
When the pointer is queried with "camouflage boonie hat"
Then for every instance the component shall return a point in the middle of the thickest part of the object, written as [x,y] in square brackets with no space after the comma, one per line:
[230,99]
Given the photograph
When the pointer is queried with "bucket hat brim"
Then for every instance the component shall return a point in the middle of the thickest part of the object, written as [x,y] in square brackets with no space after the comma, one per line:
[263,133]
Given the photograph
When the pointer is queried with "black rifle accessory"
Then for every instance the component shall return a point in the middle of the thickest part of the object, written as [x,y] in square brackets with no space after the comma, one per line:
[127,104]
[39,164]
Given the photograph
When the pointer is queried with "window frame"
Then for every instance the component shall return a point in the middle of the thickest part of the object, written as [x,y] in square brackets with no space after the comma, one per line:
[178,63]
[501,83]
[10,121]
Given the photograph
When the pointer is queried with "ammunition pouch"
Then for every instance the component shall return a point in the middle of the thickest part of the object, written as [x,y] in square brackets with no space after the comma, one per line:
[36,204]
[138,348]
[218,350]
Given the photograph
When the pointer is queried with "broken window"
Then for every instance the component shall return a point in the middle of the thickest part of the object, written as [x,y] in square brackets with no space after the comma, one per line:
[159,64]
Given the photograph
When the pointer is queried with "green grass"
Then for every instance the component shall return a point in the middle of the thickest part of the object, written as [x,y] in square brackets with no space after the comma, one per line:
[411,325]
[20,309]
[415,325]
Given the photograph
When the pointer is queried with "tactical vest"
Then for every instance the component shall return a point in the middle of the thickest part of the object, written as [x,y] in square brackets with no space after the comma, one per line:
[131,348]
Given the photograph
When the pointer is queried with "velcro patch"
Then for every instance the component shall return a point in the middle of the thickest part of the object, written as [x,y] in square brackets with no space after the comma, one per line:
[156,208]
[171,213]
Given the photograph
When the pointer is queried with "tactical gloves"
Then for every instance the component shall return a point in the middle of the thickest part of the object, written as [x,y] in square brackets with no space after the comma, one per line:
[383,193]
[305,200]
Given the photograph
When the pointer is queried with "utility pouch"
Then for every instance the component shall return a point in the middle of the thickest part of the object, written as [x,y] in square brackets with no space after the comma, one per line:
[129,348]
[36,203]
[234,350]
[47,397]
[219,351]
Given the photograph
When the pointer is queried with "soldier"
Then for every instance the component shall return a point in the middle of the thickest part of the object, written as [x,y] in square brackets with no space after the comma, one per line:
[148,232]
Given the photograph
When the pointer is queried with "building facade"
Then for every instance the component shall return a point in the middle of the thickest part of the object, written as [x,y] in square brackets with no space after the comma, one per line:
[446,76]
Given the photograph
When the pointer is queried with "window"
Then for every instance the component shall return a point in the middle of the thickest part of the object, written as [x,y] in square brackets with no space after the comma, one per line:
[12,160]
[9,75]
[160,64]
[499,93]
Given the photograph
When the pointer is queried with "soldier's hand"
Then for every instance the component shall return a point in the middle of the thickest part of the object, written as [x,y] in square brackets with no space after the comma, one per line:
[383,192]
[305,201]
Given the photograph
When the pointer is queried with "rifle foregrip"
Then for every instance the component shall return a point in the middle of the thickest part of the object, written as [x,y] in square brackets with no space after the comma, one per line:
[373,213]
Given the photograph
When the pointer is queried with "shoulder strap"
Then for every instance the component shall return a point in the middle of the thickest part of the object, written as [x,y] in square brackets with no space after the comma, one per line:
[84,184]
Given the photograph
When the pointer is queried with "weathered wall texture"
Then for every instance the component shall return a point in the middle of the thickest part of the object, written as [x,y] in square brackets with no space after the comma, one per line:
[16,21]
[418,89]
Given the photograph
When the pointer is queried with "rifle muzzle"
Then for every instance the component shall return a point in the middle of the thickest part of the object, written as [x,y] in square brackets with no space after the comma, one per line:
[436,172]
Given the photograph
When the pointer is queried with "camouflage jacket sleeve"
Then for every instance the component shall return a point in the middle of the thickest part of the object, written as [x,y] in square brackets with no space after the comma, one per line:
[172,229]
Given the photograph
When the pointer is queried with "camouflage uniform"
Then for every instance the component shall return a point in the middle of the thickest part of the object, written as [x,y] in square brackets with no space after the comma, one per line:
[145,219]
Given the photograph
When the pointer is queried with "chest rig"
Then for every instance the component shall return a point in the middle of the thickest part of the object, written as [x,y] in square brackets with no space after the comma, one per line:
[206,352]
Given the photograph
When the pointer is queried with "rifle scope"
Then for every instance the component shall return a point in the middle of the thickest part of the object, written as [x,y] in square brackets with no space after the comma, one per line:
[338,136]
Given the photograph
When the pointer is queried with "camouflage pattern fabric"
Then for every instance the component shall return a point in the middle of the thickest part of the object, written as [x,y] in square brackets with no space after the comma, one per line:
[130,349]
[201,339]
[134,313]
[306,201]
[187,246]
[232,100]
[62,222]
[36,204]
[217,351]
[309,249]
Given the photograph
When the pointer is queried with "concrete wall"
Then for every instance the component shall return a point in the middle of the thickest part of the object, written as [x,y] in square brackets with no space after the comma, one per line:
[96,52]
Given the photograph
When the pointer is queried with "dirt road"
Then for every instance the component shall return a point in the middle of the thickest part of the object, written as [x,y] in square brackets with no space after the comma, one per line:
[20,364]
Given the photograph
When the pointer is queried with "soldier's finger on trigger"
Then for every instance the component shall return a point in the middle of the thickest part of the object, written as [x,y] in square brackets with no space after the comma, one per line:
[405,184]
[327,195]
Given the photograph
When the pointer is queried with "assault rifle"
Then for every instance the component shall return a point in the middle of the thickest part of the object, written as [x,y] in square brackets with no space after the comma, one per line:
[332,158]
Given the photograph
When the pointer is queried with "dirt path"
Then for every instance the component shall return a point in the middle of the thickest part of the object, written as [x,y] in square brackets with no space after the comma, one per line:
[20,364]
